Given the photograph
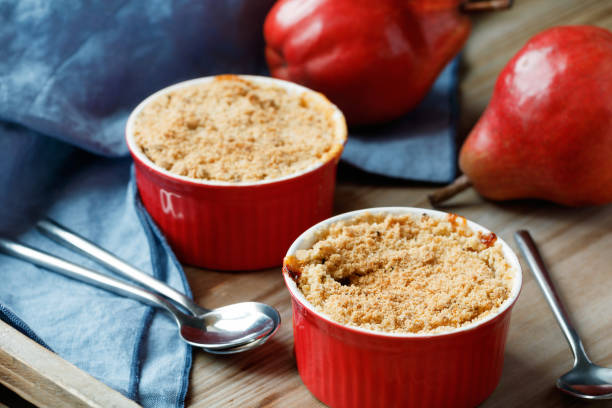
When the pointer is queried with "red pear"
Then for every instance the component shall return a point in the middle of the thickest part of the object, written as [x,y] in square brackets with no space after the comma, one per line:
[547,131]
[376,60]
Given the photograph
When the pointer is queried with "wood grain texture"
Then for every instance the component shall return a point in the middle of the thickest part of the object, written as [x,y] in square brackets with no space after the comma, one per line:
[46,380]
[576,243]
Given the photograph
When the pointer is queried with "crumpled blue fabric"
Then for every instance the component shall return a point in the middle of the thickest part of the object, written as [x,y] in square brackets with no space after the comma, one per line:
[133,348]
[419,146]
[70,73]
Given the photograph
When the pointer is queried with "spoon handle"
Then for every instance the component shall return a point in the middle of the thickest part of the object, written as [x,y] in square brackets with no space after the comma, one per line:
[534,260]
[72,240]
[77,272]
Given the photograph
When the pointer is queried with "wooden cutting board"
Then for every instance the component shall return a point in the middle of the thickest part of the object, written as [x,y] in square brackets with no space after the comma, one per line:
[575,243]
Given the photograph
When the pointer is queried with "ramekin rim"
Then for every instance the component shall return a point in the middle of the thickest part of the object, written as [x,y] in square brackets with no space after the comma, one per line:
[340,128]
[510,256]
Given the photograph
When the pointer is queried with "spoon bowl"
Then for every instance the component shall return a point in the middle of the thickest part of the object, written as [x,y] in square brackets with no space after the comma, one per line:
[244,347]
[588,381]
[227,327]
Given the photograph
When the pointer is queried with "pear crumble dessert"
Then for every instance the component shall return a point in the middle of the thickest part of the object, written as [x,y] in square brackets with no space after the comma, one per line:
[232,129]
[403,274]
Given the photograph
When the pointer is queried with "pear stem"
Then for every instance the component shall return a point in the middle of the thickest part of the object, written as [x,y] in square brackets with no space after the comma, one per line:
[442,194]
[485,5]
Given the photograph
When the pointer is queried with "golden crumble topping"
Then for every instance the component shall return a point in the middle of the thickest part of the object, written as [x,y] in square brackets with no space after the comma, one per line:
[232,129]
[403,274]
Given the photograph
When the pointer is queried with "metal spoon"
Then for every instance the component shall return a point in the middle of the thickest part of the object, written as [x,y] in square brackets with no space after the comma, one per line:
[227,327]
[585,379]
[72,240]
[240,349]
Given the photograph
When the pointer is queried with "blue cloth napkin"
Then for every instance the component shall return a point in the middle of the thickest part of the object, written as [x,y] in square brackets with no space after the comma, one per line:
[70,73]
[133,348]
[419,146]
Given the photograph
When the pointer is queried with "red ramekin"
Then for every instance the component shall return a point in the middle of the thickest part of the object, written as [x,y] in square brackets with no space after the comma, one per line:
[243,225]
[350,367]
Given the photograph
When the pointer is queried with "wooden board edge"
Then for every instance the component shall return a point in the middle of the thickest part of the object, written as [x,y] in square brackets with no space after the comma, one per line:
[46,380]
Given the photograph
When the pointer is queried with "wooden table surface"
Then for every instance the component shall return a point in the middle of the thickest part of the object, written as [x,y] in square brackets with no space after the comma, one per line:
[576,244]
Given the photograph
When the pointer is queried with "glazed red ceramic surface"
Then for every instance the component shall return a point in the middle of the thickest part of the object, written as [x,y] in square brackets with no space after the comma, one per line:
[235,226]
[350,367]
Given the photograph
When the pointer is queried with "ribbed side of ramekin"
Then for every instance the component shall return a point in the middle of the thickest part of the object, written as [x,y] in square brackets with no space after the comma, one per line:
[348,369]
[236,228]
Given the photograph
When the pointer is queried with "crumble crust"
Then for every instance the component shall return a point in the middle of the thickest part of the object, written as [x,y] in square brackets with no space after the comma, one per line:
[234,130]
[403,274]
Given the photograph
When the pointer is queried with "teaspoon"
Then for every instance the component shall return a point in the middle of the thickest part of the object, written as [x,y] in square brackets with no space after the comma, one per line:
[222,328]
[72,240]
[585,379]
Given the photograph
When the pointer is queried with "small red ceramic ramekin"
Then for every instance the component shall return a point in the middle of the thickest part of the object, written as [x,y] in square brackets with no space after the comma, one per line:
[243,225]
[351,367]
